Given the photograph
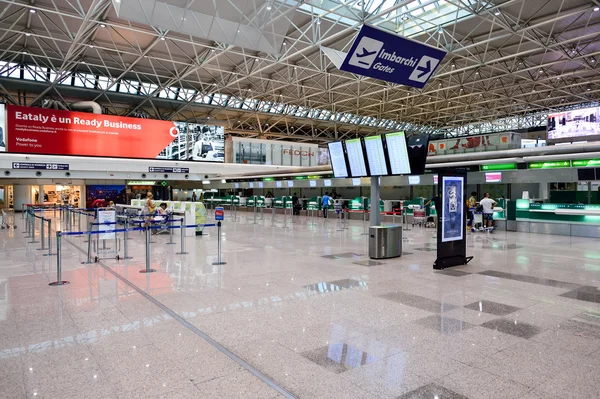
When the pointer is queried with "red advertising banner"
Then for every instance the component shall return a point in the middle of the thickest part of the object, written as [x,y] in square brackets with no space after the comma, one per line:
[46,131]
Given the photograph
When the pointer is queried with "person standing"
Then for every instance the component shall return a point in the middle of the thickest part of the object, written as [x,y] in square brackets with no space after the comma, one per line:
[488,205]
[325,204]
[471,204]
[194,197]
[149,209]
[295,208]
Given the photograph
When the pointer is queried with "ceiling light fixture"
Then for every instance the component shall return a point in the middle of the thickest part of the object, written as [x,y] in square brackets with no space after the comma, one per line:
[163,38]
[596,8]
[497,13]
[27,34]
[405,18]
[102,25]
[32,11]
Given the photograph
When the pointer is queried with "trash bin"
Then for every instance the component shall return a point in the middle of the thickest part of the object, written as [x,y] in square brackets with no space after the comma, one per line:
[385,242]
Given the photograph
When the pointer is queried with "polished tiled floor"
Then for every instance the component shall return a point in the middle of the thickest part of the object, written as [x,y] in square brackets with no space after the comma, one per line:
[302,312]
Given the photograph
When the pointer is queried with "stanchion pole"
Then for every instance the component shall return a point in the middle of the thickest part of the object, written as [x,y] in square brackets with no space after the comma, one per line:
[27,225]
[262,212]
[147,269]
[284,216]
[219,261]
[59,280]
[255,210]
[170,224]
[42,220]
[125,239]
[89,248]
[182,221]
[55,210]
[33,241]
[22,211]
[49,238]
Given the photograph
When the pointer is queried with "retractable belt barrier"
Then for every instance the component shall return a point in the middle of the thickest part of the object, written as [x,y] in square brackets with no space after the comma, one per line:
[147,228]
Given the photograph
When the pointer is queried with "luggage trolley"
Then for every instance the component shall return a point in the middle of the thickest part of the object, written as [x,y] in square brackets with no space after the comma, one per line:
[105,233]
[419,217]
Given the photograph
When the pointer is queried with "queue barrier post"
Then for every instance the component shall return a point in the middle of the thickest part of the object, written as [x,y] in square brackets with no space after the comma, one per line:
[42,235]
[182,221]
[59,280]
[147,269]
[89,242]
[49,239]
[125,239]
[219,260]
[32,228]
[170,224]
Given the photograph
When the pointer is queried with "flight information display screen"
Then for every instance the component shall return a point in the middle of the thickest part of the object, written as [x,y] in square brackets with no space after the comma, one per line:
[338,159]
[313,183]
[397,153]
[327,183]
[251,185]
[376,156]
[356,158]
[278,184]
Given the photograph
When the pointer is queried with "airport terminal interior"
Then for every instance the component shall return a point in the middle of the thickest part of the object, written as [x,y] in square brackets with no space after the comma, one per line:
[363,199]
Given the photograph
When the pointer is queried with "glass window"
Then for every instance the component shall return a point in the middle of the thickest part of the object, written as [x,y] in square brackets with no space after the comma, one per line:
[249,104]
[148,88]
[104,83]
[220,99]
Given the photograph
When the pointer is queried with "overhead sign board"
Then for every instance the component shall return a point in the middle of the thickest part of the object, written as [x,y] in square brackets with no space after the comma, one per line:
[585,162]
[549,165]
[498,166]
[40,166]
[386,56]
[163,169]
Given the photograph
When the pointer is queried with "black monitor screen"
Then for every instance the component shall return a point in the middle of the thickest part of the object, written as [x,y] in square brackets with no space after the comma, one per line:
[417,153]
[587,174]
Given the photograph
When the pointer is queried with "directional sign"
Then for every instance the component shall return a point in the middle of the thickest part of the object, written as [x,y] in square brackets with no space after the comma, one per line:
[219,213]
[40,166]
[164,169]
[386,56]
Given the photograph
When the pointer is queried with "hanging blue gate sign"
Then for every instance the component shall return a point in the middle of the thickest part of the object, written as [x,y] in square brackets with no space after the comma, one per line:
[386,56]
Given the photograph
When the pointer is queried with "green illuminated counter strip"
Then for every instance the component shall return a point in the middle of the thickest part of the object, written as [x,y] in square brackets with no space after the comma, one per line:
[570,219]
[498,167]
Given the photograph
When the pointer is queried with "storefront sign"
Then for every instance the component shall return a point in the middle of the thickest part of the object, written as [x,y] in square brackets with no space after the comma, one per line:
[297,153]
[141,183]
[498,166]
[549,165]
[453,207]
[585,162]
[163,169]
[392,58]
[55,132]
[40,166]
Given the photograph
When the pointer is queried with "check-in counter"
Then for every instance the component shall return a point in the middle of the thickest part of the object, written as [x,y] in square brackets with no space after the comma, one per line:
[576,220]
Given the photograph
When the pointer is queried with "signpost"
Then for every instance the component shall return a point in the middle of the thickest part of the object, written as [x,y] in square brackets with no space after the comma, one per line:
[386,56]
[219,213]
[40,166]
[164,169]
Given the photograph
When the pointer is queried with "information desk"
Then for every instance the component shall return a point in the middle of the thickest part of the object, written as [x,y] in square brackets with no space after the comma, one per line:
[576,220]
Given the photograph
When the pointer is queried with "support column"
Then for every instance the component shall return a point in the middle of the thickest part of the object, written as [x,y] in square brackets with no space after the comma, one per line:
[374,216]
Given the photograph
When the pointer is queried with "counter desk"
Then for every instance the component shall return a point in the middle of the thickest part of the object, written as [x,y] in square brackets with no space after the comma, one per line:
[577,220]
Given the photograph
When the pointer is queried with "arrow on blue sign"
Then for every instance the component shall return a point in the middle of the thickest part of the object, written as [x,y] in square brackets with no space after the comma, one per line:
[386,56]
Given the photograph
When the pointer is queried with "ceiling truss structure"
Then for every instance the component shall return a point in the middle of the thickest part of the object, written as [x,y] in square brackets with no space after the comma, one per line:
[508,64]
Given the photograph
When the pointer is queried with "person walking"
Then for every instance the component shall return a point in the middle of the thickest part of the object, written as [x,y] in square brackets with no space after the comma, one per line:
[471,204]
[325,204]
[488,205]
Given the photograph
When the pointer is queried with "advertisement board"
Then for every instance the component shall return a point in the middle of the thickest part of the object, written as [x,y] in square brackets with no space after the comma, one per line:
[453,208]
[47,131]
[574,124]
